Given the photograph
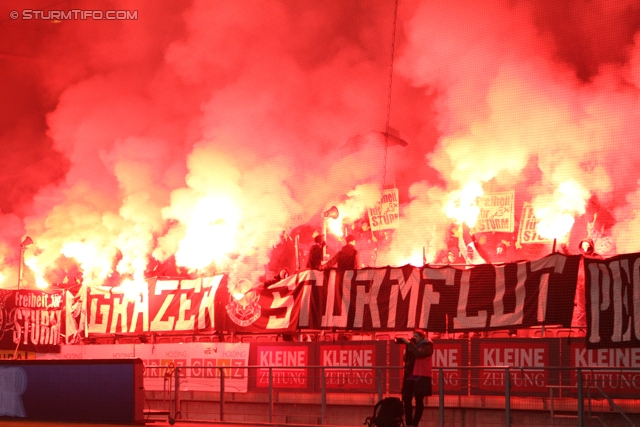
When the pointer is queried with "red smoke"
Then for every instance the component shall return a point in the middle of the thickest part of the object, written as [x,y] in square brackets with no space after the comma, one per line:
[199,131]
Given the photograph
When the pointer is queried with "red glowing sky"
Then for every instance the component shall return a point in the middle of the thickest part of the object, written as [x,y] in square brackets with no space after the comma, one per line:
[204,127]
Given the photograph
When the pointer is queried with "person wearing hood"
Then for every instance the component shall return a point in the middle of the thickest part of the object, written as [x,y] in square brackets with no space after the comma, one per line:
[416,382]
[346,258]
[587,250]
[586,247]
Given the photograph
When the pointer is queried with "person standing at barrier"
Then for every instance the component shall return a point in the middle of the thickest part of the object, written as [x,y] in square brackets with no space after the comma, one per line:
[347,258]
[587,250]
[316,252]
[416,382]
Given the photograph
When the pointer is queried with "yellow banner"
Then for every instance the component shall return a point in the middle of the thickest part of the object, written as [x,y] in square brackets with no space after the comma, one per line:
[528,227]
[496,213]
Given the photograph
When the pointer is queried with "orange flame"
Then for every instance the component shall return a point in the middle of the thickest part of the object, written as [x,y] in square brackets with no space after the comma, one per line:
[30,261]
[556,213]
[462,205]
[354,208]
[89,257]
[133,290]
[210,233]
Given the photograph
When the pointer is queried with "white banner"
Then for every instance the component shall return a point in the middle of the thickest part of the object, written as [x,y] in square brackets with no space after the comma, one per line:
[386,215]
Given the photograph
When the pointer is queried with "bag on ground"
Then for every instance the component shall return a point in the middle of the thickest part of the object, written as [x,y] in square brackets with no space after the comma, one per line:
[386,413]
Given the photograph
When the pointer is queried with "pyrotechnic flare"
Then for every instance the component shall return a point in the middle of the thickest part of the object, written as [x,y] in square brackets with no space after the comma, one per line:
[557,212]
[462,206]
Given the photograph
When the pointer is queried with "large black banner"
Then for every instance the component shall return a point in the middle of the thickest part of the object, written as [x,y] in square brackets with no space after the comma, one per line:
[438,299]
[159,305]
[31,320]
[612,288]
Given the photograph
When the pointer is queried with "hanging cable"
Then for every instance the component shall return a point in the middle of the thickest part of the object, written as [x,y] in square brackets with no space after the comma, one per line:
[386,132]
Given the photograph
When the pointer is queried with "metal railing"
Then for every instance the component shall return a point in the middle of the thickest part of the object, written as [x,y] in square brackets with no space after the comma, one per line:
[481,395]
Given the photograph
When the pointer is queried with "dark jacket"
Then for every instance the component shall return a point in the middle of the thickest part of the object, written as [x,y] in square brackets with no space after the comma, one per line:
[346,259]
[415,351]
[591,253]
[315,257]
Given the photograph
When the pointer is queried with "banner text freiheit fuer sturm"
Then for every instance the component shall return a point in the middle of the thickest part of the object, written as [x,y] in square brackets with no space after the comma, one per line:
[31,320]
[436,298]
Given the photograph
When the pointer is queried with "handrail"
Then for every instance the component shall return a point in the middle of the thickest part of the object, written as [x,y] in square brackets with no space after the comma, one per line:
[615,406]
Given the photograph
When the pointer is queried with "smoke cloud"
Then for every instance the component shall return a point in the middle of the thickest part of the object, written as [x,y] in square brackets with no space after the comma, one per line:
[199,135]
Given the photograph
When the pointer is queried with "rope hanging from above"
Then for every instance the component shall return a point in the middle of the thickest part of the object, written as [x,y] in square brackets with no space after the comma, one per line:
[387,127]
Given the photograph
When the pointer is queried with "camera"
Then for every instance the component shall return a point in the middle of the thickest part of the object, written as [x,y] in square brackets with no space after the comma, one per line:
[398,340]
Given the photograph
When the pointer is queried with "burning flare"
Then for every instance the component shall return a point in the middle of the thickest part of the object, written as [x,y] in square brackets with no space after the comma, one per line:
[556,213]
[211,232]
[462,206]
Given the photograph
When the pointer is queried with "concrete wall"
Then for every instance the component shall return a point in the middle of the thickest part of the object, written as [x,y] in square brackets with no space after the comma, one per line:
[352,409]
